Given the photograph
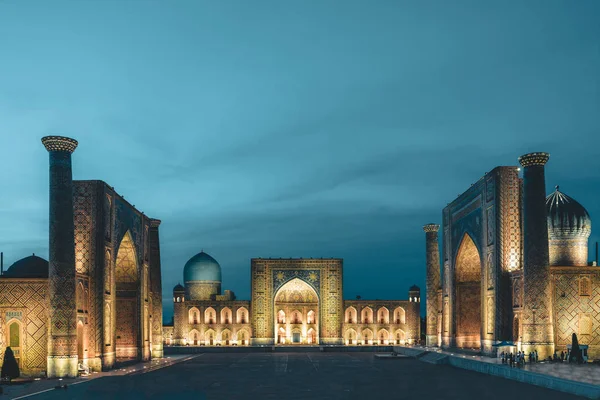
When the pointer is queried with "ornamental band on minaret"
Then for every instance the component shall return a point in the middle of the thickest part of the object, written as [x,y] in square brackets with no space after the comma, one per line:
[537,328]
[62,333]
[433,281]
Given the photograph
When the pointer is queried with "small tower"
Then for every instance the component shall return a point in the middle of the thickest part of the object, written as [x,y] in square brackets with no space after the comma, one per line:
[414,294]
[414,321]
[62,331]
[433,282]
[179,315]
[537,325]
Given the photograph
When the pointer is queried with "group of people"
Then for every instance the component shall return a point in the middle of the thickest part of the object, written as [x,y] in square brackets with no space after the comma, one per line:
[518,359]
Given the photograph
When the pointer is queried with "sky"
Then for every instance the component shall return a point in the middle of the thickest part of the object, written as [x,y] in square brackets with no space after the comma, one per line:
[294,128]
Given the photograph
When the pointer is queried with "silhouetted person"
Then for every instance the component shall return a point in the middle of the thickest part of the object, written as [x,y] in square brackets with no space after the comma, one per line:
[10,368]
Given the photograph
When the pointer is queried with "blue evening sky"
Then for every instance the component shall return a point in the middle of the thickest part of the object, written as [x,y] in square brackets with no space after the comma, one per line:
[294,128]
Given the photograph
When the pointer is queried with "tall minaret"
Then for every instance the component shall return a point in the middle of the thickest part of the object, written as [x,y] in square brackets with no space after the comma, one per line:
[433,282]
[62,330]
[155,290]
[537,328]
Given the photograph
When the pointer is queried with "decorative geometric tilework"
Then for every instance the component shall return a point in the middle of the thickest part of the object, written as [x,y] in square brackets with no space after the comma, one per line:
[571,309]
[27,299]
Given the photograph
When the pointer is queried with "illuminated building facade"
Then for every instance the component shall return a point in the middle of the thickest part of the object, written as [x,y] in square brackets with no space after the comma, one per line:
[514,267]
[97,301]
[294,302]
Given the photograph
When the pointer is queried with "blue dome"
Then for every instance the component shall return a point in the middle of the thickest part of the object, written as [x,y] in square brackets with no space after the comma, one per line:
[202,267]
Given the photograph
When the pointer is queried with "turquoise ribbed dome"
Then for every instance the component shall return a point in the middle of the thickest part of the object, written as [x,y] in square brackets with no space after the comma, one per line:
[202,267]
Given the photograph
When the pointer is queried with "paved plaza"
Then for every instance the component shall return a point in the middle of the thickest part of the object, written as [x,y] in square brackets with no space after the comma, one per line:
[304,376]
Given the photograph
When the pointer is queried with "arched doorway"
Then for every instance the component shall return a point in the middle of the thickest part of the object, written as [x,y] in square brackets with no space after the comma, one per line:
[13,339]
[210,337]
[311,336]
[128,309]
[384,336]
[80,340]
[351,337]
[367,336]
[400,336]
[242,337]
[193,337]
[281,335]
[298,301]
[468,295]
[516,338]
[225,337]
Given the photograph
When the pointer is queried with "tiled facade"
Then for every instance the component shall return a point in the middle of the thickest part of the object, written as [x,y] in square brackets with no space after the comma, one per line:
[497,286]
[107,302]
[294,301]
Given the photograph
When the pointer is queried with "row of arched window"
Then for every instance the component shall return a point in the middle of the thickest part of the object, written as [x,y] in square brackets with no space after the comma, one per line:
[367,337]
[211,338]
[382,316]
[296,317]
[226,316]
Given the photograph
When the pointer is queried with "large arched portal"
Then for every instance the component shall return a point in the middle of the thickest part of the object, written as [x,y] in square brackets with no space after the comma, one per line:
[468,295]
[127,279]
[299,301]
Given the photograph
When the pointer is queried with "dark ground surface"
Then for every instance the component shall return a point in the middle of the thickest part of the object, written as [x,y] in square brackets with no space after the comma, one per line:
[305,376]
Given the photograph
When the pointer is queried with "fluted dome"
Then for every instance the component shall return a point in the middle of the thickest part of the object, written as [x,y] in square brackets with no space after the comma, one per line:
[28,267]
[202,267]
[566,217]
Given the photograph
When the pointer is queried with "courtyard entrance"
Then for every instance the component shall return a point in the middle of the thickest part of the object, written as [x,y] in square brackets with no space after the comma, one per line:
[296,314]
[468,295]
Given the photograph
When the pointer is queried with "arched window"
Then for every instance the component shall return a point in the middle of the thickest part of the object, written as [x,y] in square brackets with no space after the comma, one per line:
[351,315]
[226,315]
[296,317]
[242,315]
[14,339]
[210,316]
[79,297]
[310,317]
[584,286]
[194,316]
[281,317]
[585,326]
[383,316]
[367,315]
[399,316]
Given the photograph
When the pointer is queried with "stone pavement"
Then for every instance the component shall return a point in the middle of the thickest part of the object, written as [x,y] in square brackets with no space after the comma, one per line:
[586,373]
[315,376]
[19,391]
[570,378]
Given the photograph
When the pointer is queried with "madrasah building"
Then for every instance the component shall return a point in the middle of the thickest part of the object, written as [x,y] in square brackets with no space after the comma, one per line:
[97,300]
[294,302]
[514,267]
